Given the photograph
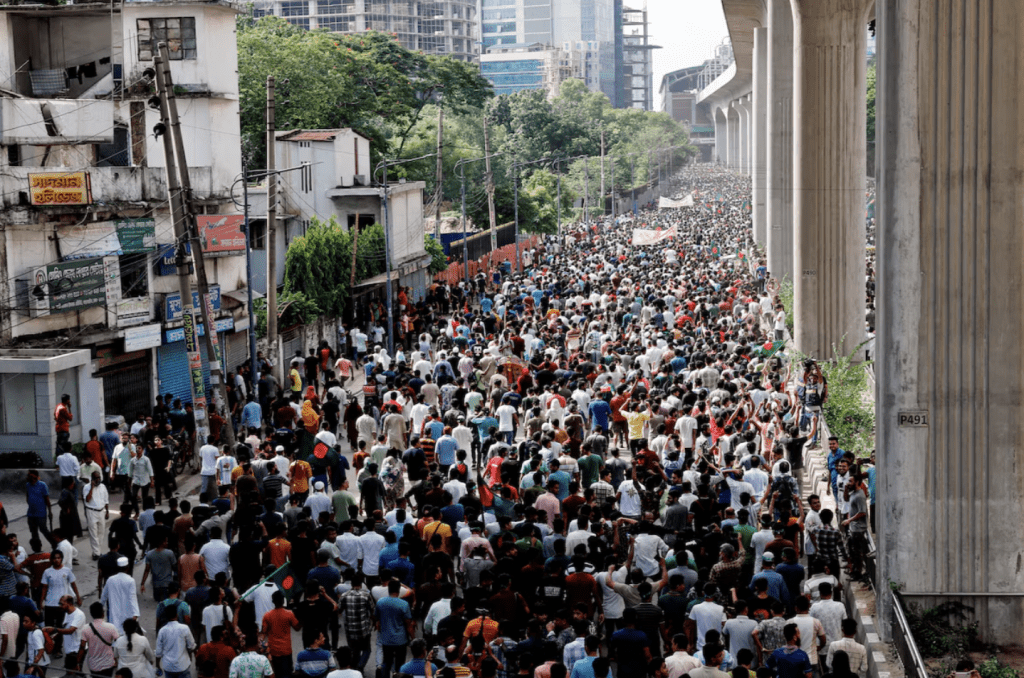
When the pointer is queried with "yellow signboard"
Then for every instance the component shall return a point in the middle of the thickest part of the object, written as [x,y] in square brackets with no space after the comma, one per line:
[60,188]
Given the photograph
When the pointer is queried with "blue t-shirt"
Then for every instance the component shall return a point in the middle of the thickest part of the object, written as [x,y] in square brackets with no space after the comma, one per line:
[110,440]
[418,667]
[313,662]
[789,663]
[389,553]
[486,304]
[563,483]
[327,577]
[405,571]
[392,614]
[599,413]
[36,496]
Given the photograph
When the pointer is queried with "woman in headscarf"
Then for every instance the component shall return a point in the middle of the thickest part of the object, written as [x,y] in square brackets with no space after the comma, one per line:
[312,397]
[392,474]
[310,427]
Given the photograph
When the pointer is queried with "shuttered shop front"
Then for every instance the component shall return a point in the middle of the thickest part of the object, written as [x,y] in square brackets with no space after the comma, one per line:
[173,372]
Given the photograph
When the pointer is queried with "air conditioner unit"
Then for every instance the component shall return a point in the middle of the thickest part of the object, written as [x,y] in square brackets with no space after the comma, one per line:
[360,180]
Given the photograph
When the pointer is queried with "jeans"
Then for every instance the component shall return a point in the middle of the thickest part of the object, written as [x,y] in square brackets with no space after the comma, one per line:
[394,657]
[187,673]
[209,487]
[37,525]
[159,593]
[360,651]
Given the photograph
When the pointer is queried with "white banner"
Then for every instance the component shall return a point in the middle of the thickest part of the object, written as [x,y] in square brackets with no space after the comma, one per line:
[644,236]
[667,203]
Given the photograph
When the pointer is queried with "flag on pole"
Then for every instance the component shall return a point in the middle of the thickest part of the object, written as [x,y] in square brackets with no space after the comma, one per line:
[714,251]
[286,582]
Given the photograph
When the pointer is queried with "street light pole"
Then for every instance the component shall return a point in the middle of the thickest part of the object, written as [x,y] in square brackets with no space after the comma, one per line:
[461,171]
[632,182]
[558,179]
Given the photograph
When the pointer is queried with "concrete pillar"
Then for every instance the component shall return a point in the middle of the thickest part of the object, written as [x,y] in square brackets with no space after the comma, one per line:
[780,141]
[721,134]
[951,308]
[829,173]
[759,126]
[743,108]
[733,136]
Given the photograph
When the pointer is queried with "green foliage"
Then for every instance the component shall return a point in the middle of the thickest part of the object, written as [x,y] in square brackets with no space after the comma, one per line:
[848,411]
[319,263]
[942,630]
[871,105]
[993,668]
[298,310]
[368,82]
[438,261]
[786,297]
[542,189]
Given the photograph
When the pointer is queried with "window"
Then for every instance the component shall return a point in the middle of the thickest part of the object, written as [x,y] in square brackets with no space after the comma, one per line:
[334,7]
[504,27]
[498,14]
[134,270]
[294,8]
[18,398]
[179,34]
[257,234]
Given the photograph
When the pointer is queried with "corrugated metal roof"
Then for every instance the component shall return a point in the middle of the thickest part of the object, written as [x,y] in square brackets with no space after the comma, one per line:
[311,135]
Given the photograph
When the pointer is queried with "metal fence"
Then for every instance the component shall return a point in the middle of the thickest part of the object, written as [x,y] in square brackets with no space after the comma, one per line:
[903,639]
[480,243]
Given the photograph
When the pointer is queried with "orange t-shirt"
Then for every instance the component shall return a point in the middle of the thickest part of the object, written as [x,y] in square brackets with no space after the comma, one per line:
[278,624]
[301,473]
[280,551]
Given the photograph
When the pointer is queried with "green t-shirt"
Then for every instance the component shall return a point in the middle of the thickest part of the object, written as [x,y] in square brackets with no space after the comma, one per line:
[590,469]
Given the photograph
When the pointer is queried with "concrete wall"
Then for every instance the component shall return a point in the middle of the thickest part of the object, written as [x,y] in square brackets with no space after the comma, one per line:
[951,311]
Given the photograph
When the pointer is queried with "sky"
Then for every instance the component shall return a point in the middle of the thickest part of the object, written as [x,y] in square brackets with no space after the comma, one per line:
[687,30]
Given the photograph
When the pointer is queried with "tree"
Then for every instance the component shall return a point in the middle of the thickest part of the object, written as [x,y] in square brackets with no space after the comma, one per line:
[324,254]
[368,82]
[438,261]
[871,120]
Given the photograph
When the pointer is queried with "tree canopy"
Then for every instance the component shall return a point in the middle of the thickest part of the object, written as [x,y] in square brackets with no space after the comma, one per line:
[368,82]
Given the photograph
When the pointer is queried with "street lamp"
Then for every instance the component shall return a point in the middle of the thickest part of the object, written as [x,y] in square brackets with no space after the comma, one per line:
[515,190]
[245,177]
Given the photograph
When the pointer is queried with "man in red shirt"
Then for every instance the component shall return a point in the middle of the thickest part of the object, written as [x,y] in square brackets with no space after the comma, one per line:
[618,419]
[581,587]
[277,625]
[62,417]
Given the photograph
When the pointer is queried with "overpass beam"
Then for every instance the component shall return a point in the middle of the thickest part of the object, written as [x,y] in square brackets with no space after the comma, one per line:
[951,307]
[829,173]
[759,126]
[779,141]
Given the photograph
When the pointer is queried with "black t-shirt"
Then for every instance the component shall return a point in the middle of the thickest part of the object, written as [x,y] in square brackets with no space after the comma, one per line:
[313,615]
[312,364]
[372,490]
[795,451]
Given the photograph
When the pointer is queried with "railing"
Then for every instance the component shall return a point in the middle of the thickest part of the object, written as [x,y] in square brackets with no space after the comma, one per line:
[903,639]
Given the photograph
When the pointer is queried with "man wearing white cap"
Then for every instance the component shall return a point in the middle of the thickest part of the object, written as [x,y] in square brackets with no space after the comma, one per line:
[318,501]
[119,596]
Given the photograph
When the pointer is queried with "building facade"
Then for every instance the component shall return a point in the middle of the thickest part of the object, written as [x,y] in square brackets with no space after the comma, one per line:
[637,62]
[86,259]
[443,27]
[585,30]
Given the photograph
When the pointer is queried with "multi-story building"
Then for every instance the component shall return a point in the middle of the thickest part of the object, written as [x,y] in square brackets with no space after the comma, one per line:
[679,96]
[445,27]
[86,257]
[584,26]
[637,62]
[512,68]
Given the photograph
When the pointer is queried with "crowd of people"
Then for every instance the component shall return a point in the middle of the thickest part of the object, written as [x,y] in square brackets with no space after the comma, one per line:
[582,470]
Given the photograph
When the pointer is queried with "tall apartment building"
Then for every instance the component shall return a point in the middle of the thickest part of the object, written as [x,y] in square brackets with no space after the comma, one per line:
[637,62]
[444,27]
[584,29]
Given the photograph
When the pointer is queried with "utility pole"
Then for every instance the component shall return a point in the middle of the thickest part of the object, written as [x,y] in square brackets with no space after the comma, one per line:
[586,190]
[515,201]
[194,357]
[613,188]
[558,178]
[214,351]
[272,236]
[355,244]
[490,188]
[602,170]
[438,189]
[632,182]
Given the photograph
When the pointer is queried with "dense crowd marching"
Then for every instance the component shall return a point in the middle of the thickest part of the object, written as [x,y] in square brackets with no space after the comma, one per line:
[582,470]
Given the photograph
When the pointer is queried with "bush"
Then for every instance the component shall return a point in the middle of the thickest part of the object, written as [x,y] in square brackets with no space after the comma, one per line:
[849,411]
[20,460]
[943,630]
[992,668]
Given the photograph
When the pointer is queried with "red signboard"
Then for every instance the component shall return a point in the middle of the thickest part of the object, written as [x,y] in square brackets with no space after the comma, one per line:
[221,232]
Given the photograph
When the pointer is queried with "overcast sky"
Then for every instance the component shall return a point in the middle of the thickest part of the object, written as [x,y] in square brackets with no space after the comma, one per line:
[687,30]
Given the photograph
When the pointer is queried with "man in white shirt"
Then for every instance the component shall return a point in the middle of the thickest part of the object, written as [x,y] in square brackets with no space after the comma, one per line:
[213,557]
[647,549]
[208,456]
[97,511]
[371,543]
[74,621]
[68,465]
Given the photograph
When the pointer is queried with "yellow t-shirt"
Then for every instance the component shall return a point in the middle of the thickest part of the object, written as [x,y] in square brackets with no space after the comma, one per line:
[296,380]
[636,421]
